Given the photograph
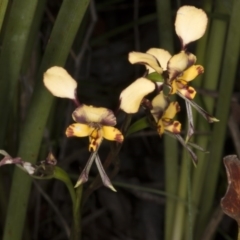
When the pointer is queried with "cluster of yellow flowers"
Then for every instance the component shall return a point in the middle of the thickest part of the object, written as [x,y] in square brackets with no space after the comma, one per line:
[175,72]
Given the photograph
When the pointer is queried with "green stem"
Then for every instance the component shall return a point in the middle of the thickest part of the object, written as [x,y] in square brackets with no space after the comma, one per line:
[61,175]
[165,33]
[180,212]
[76,229]
[190,208]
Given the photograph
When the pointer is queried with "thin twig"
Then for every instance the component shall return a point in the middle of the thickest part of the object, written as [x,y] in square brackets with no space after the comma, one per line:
[234,130]
[213,224]
[88,34]
[55,209]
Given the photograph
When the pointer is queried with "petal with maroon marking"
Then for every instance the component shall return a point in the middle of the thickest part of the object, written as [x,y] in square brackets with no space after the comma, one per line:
[95,138]
[172,110]
[179,63]
[192,72]
[90,114]
[59,82]
[161,55]
[174,87]
[188,92]
[145,59]
[160,127]
[190,24]
[174,127]
[132,96]
[112,134]
[78,130]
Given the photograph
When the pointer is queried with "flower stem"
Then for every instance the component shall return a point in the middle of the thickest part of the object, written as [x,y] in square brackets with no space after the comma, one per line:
[76,228]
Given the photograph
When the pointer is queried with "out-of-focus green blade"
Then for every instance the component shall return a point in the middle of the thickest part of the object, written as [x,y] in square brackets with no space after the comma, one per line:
[3,7]
[60,42]
[137,126]
[227,79]
[165,33]
[15,38]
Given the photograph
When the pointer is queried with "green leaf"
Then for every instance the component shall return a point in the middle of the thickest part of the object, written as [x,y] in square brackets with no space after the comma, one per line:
[196,146]
[61,175]
[138,125]
[155,77]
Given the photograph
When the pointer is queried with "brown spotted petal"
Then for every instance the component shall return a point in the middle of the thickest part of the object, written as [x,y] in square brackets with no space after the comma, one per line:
[230,203]
[191,73]
[95,139]
[172,126]
[112,134]
[89,114]
[179,63]
[78,130]
[172,110]
[188,92]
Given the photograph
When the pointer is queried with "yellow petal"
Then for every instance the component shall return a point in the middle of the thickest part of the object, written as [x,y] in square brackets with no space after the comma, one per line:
[159,105]
[180,84]
[174,127]
[112,134]
[174,87]
[95,138]
[160,127]
[161,55]
[171,111]
[188,92]
[90,114]
[78,130]
[190,24]
[192,72]
[131,97]
[179,63]
[59,82]
[146,59]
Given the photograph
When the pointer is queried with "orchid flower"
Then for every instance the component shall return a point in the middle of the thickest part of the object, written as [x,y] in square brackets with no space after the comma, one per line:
[95,122]
[163,113]
[180,68]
